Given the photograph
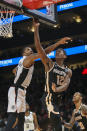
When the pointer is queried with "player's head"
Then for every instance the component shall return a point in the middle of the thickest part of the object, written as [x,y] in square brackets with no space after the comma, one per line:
[27,107]
[77,97]
[27,51]
[60,54]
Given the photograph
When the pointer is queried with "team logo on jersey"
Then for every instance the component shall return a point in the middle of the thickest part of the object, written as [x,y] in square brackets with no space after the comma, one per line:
[13,107]
[59,72]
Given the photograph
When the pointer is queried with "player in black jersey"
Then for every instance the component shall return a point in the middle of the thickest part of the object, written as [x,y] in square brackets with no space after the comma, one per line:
[79,114]
[57,79]
[17,92]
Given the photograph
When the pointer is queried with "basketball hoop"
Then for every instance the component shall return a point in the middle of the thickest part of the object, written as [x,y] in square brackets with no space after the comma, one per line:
[6,19]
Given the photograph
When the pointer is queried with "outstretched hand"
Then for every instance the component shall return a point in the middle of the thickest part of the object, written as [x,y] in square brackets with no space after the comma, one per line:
[64,40]
[35,22]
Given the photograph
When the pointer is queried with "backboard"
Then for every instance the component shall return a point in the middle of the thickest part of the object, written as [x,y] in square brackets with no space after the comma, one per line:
[46,15]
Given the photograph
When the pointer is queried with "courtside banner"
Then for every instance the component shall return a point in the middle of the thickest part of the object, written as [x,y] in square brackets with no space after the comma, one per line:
[69,51]
[71,5]
[9,62]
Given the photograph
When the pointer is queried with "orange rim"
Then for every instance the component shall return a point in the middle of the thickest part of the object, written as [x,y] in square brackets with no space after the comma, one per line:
[11,11]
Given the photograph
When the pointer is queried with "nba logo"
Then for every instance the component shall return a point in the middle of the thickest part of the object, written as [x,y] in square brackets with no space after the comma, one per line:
[48,9]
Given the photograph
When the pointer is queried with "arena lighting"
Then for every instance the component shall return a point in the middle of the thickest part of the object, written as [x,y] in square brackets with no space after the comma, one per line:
[78,19]
[60,8]
[69,51]
[84,72]
[32,29]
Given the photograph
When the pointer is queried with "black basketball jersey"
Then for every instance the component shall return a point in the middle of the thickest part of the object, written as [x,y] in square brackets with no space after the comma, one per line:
[23,75]
[55,75]
[82,120]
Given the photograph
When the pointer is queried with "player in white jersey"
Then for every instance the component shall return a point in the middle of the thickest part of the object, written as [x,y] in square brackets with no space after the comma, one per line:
[17,92]
[31,123]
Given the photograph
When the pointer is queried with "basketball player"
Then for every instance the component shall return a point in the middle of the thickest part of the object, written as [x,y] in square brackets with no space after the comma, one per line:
[31,123]
[79,114]
[17,92]
[57,79]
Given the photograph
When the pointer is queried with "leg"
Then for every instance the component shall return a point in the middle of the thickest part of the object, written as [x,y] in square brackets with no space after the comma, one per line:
[21,121]
[11,121]
[21,100]
[11,108]
[55,122]
[21,107]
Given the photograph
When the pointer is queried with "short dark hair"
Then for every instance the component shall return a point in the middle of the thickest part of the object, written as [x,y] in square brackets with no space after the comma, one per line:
[24,49]
[80,94]
[61,49]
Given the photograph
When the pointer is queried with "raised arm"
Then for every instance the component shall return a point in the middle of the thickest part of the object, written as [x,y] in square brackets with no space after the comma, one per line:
[58,43]
[42,54]
[64,85]
[50,48]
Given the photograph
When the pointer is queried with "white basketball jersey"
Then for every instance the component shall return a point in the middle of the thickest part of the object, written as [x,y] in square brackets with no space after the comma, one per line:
[24,75]
[23,78]
[28,124]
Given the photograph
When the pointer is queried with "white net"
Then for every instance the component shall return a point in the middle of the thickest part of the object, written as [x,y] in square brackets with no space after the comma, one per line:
[6,19]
